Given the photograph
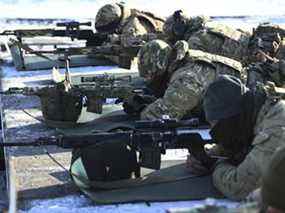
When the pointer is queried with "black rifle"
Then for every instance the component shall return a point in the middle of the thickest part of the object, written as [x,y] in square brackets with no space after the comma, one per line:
[149,138]
[72,30]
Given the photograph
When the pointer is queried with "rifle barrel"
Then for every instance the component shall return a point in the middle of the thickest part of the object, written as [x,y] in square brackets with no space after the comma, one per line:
[73,24]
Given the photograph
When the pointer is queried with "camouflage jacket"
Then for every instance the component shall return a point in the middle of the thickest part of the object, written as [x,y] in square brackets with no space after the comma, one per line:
[188,82]
[262,72]
[221,40]
[281,52]
[236,182]
[139,23]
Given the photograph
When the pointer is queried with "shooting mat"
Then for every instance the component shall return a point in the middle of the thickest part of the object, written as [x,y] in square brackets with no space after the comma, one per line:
[110,121]
[183,186]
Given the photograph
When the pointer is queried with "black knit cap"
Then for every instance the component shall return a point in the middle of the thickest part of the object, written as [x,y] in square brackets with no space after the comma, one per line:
[223,98]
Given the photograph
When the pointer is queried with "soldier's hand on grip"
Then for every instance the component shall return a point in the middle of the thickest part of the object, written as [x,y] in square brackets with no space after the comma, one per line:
[195,166]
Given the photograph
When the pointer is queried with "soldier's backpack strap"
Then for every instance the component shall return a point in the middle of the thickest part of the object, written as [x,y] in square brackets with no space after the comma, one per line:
[228,62]
[200,57]
[212,60]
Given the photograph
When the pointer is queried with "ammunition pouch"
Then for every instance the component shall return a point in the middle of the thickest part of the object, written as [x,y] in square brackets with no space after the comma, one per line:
[58,105]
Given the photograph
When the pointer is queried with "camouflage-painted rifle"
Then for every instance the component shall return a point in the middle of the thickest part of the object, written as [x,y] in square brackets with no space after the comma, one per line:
[60,103]
[150,138]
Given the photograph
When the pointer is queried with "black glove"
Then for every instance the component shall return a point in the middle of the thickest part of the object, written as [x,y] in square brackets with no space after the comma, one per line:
[135,104]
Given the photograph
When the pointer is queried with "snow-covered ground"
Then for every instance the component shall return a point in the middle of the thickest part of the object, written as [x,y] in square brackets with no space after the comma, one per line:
[74,204]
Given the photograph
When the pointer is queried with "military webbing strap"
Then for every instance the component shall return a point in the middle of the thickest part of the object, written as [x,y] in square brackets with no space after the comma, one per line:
[28,49]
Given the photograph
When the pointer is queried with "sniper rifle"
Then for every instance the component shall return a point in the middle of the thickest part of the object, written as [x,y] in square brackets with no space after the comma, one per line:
[149,138]
[71,29]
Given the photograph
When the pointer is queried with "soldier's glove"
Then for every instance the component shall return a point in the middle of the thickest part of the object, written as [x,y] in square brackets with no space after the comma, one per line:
[197,167]
[136,103]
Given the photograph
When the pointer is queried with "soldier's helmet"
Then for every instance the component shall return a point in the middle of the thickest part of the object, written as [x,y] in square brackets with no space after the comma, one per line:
[265,28]
[273,185]
[175,25]
[108,17]
[265,37]
[178,24]
[153,59]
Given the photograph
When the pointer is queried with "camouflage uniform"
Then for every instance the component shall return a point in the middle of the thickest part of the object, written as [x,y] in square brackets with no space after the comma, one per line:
[201,34]
[237,182]
[266,38]
[129,23]
[237,44]
[221,40]
[281,52]
[189,77]
[262,72]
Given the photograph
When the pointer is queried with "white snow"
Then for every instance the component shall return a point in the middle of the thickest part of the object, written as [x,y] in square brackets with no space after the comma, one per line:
[81,204]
